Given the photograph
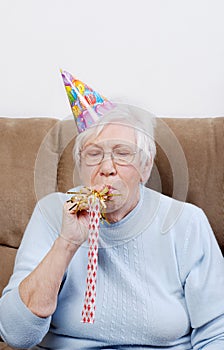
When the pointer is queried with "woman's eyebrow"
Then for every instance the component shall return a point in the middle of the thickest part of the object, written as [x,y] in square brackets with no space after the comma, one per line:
[90,145]
[122,144]
[110,144]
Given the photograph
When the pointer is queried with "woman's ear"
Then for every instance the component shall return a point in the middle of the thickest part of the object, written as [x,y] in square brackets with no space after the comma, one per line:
[146,171]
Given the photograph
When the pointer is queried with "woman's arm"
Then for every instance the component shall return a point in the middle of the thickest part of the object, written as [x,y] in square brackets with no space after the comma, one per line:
[39,290]
[204,285]
[42,259]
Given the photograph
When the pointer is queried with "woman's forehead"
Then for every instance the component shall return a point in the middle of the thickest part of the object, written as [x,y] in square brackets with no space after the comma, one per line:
[115,133]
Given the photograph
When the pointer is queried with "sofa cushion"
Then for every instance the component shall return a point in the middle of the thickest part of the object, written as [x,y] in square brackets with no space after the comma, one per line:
[4,346]
[67,173]
[7,258]
[202,141]
[28,166]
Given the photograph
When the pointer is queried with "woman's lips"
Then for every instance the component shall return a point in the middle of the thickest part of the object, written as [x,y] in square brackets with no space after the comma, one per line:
[115,188]
[114,193]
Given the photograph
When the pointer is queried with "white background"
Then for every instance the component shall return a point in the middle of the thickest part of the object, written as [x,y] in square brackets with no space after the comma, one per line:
[166,56]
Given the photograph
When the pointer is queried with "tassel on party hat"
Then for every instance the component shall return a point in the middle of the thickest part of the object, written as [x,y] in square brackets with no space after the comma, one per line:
[88,106]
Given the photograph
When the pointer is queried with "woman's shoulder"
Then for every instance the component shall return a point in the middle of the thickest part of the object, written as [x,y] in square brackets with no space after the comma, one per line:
[166,201]
[172,213]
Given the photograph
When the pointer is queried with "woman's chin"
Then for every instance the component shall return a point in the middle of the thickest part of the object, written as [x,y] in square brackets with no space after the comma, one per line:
[115,206]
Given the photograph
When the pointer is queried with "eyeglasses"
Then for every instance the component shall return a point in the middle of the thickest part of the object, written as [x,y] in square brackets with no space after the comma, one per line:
[121,155]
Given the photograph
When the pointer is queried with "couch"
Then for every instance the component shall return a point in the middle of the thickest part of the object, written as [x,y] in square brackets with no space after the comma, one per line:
[36,159]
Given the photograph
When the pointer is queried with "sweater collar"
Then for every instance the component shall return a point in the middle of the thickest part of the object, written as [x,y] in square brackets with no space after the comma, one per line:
[133,224]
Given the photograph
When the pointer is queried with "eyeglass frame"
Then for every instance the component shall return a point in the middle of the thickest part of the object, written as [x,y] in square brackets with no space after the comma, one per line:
[113,158]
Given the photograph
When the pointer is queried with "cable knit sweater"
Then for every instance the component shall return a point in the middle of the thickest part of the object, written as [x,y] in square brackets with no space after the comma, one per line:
[160,282]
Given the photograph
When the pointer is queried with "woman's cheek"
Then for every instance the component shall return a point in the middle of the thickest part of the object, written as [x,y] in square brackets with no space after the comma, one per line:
[87,176]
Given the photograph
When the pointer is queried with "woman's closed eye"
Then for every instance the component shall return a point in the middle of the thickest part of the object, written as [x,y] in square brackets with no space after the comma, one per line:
[93,152]
[122,152]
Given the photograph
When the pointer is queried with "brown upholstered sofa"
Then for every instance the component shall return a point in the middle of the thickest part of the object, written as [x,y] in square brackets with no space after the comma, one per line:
[36,159]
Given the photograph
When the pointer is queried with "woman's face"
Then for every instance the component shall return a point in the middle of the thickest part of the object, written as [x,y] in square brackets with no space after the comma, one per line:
[124,179]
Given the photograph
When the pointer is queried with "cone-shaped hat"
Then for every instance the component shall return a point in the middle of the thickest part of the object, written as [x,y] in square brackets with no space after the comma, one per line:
[88,106]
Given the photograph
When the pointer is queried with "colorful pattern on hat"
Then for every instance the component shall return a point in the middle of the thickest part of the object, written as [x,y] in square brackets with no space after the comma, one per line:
[88,106]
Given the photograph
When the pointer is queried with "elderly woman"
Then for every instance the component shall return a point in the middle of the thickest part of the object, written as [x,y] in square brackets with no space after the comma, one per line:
[154,290]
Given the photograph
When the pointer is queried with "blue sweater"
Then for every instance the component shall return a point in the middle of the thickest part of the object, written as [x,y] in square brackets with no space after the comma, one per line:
[160,282]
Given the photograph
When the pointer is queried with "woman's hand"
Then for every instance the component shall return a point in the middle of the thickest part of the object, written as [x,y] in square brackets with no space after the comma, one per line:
[74,224]
[75,220]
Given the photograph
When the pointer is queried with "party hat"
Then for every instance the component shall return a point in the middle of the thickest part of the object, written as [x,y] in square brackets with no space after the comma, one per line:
[88,106]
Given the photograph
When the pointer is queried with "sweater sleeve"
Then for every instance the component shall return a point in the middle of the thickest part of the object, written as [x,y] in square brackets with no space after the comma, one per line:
[204,284]
[42,230]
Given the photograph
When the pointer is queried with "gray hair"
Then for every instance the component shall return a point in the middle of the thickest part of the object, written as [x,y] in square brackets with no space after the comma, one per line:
[141,121]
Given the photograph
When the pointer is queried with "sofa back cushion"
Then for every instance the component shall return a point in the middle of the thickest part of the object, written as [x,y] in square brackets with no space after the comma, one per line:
[28,171]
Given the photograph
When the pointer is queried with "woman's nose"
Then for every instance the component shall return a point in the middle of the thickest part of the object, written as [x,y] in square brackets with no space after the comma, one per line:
[107,166]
